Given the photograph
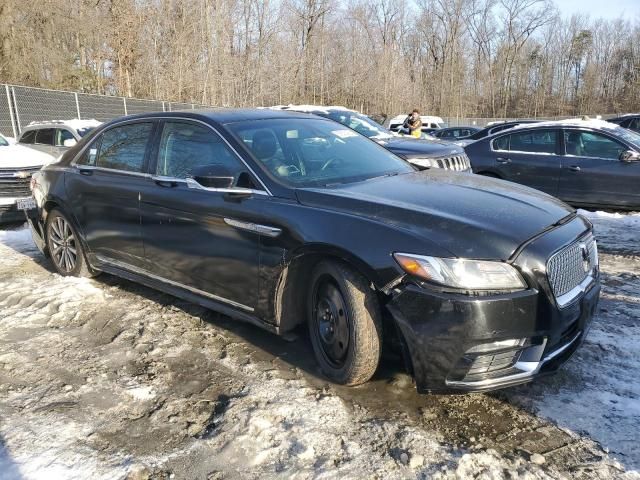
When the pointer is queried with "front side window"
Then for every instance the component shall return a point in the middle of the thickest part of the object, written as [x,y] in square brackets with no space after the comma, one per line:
[534,141]
[591,144]
[123,148]
[315,152]
[185,146]
[45,136]
[28,137]
[3,142]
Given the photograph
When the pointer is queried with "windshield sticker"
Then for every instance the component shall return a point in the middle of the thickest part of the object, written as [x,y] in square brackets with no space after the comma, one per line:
[344,133]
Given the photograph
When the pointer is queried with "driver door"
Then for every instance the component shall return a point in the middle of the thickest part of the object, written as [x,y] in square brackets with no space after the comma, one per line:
[198,239]
[593,174]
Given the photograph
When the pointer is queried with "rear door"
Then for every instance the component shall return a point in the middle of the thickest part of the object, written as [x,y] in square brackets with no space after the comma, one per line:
[593,174]
[529,157]
[103,191]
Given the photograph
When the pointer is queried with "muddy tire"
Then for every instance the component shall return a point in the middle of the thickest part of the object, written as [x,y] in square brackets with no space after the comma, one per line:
[65,247]
[344,323]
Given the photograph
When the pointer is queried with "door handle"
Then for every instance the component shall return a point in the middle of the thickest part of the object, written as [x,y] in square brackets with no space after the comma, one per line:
[85,171]
[503,160]
[574,168]
[165,182]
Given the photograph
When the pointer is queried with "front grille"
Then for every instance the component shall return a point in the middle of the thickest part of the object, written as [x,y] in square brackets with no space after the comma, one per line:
[456,163]
[569,267]
[14,186]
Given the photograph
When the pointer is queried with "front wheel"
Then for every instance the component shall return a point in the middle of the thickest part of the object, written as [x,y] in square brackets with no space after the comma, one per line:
[344,323]
[65,248]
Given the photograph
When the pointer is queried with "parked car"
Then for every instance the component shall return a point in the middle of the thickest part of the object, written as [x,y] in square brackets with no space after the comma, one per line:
[429,123]
[281,218]
[56,136]
[492,129]
[630,121]
[424,153]
[17,164]
[589,163]
[455,133]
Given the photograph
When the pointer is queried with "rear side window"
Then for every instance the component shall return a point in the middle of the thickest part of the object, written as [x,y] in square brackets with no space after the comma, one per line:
[45,136]
[29,137]
[501,143]
[533,141]
[123,148]
[185,146]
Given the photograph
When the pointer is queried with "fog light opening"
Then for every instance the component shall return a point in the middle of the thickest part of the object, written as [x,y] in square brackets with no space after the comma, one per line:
[498,345]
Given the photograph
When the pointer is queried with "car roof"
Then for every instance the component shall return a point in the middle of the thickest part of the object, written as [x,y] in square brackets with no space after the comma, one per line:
[625,115]
[317,109]
[223,115]
[594,123]
[74,123]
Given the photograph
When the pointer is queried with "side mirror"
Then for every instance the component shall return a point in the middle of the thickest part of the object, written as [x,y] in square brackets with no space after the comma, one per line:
[629,156]
[69,142]
[213,176]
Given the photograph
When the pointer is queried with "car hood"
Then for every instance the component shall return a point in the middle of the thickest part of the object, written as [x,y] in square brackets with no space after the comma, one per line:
[17,156]
[468,215]
[413,147]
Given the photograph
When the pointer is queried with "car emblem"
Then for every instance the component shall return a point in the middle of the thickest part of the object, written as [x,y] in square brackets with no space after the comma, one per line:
[586,260]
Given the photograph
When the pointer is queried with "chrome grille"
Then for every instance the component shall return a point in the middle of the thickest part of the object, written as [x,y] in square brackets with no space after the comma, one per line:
[11,185]
[569,267]
[457,163]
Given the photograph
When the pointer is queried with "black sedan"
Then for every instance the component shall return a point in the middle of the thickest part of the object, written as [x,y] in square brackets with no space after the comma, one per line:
[419,152]
[588,163]
[630,121]
[492,130]
[281,219]
[455,133]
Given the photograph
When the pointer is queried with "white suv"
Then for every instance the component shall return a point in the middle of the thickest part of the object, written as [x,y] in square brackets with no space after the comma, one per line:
[55,136]
[17,164]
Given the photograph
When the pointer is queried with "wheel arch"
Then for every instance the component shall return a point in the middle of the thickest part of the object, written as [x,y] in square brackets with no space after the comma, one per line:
[293,282]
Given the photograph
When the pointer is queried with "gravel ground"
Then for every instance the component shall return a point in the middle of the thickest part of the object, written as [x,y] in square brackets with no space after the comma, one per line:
[106,379]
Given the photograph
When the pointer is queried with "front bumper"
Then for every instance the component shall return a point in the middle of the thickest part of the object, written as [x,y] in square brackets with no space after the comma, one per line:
[458,342]
[10,214]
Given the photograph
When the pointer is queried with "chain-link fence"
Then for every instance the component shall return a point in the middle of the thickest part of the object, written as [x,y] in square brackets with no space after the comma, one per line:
[20,106]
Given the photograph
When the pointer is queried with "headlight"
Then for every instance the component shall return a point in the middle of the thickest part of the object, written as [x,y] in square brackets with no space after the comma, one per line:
[461,273]
[423,162]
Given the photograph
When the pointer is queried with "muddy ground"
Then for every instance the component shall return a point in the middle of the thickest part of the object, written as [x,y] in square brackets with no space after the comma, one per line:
[107,379]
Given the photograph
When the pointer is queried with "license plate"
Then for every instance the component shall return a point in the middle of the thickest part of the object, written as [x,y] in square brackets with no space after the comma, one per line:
[26,204]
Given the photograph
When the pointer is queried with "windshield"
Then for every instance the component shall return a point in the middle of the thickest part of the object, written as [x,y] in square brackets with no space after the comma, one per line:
[629,135]
[3,142]
[360,123]
[83,131]
[315,152]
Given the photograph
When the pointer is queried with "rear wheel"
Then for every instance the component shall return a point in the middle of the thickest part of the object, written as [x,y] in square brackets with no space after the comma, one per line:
[344,323]
[65,248]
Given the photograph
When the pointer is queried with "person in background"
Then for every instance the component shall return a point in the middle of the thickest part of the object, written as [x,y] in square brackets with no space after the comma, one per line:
[405,129]
[415,124]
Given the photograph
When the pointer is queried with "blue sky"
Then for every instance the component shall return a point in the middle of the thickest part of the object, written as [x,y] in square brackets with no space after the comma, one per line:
[601,8]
